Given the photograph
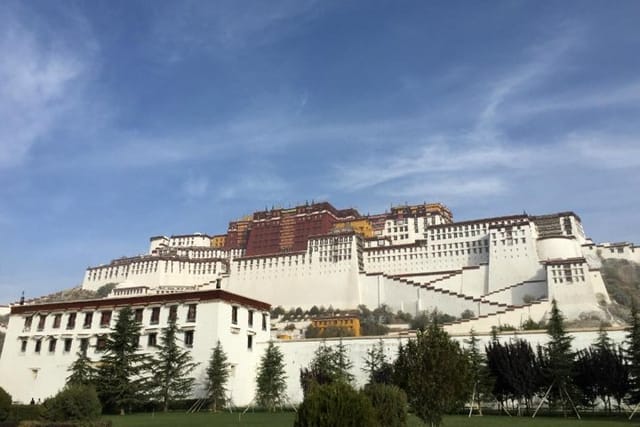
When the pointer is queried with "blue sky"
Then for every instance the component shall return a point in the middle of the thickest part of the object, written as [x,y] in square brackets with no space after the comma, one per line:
[120,120]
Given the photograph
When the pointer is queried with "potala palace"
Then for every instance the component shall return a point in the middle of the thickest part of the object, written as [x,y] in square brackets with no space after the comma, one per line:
[414,258]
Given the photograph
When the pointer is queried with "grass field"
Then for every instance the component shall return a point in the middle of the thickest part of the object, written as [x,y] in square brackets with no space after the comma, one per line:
[284,419]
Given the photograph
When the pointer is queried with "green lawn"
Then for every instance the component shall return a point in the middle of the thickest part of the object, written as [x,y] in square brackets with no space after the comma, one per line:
[285,419]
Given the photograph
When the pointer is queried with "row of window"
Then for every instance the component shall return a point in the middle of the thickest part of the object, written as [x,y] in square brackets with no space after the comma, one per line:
[105,318]
[250,317]
[100,345]
[142,268]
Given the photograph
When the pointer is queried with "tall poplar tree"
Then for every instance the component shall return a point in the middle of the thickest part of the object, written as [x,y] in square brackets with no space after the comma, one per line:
[271,379]
[121,380]
[217,377]
[171,367]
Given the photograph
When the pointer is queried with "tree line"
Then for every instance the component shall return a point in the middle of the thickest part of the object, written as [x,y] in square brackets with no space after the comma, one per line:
[437,375]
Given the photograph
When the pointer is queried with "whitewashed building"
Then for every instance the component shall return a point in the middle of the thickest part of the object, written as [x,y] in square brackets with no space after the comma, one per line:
[413,258]
[505,270]
[43,340]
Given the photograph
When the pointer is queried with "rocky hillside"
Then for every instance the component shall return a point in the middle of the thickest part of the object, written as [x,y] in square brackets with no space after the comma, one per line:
[622,279]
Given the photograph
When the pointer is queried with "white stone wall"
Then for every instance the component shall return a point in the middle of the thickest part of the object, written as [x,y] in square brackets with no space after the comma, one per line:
[513,257]
[27,374]
[154,271]
[626,251]
[298,354]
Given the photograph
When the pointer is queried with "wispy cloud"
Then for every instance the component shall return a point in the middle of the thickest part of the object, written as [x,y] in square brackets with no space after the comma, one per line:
[609,151]
[195,187]
[540,61]
[40,81]
[224,27]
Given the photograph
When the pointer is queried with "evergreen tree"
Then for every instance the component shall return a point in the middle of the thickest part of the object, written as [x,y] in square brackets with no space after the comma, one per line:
[586,376]
[343,363]
[633,352]
[121,381]
[376,365]
[327,366]
[438,374]
[559,356]
[515,371]
[400,368]
[82,371]
[478,369]
[172,366]
[217,377]
[271,380]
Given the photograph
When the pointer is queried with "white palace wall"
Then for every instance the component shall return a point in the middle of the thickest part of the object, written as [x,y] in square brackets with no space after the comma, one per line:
[26,373]
[299,353]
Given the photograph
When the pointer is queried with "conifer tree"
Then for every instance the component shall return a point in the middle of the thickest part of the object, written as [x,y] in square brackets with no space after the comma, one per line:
[327,366]
[438,374]
[171,367]
[82,371]
[121,379]
[477,369]
[400,368]
[376,365]
[271,379]
[343,363]
[217,377]
[633,352]
[559,356]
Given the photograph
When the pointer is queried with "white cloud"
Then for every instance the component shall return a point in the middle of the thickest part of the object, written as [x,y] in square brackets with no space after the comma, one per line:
[609,151]
[433,158]
[39,81]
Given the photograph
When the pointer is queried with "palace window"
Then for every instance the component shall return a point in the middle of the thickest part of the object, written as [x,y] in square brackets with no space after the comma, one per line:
[67,344]
[173,313]
[191,313]
[152,340]
[71,321]
[188,338]
[250,342]
[52,345]
[234,315]
[57,319]
[101,343]
[38,346]
[105,319]
[138,315]
[27,322]
[264,321]
[88,319]
[250,318]
[23,346]
[155,315]
[84,345]
[41,321]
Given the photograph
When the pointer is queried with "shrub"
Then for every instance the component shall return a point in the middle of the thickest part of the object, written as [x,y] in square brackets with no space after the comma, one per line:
[74,402]
[389,404]
[5,404]
[21,413]
[336,404]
